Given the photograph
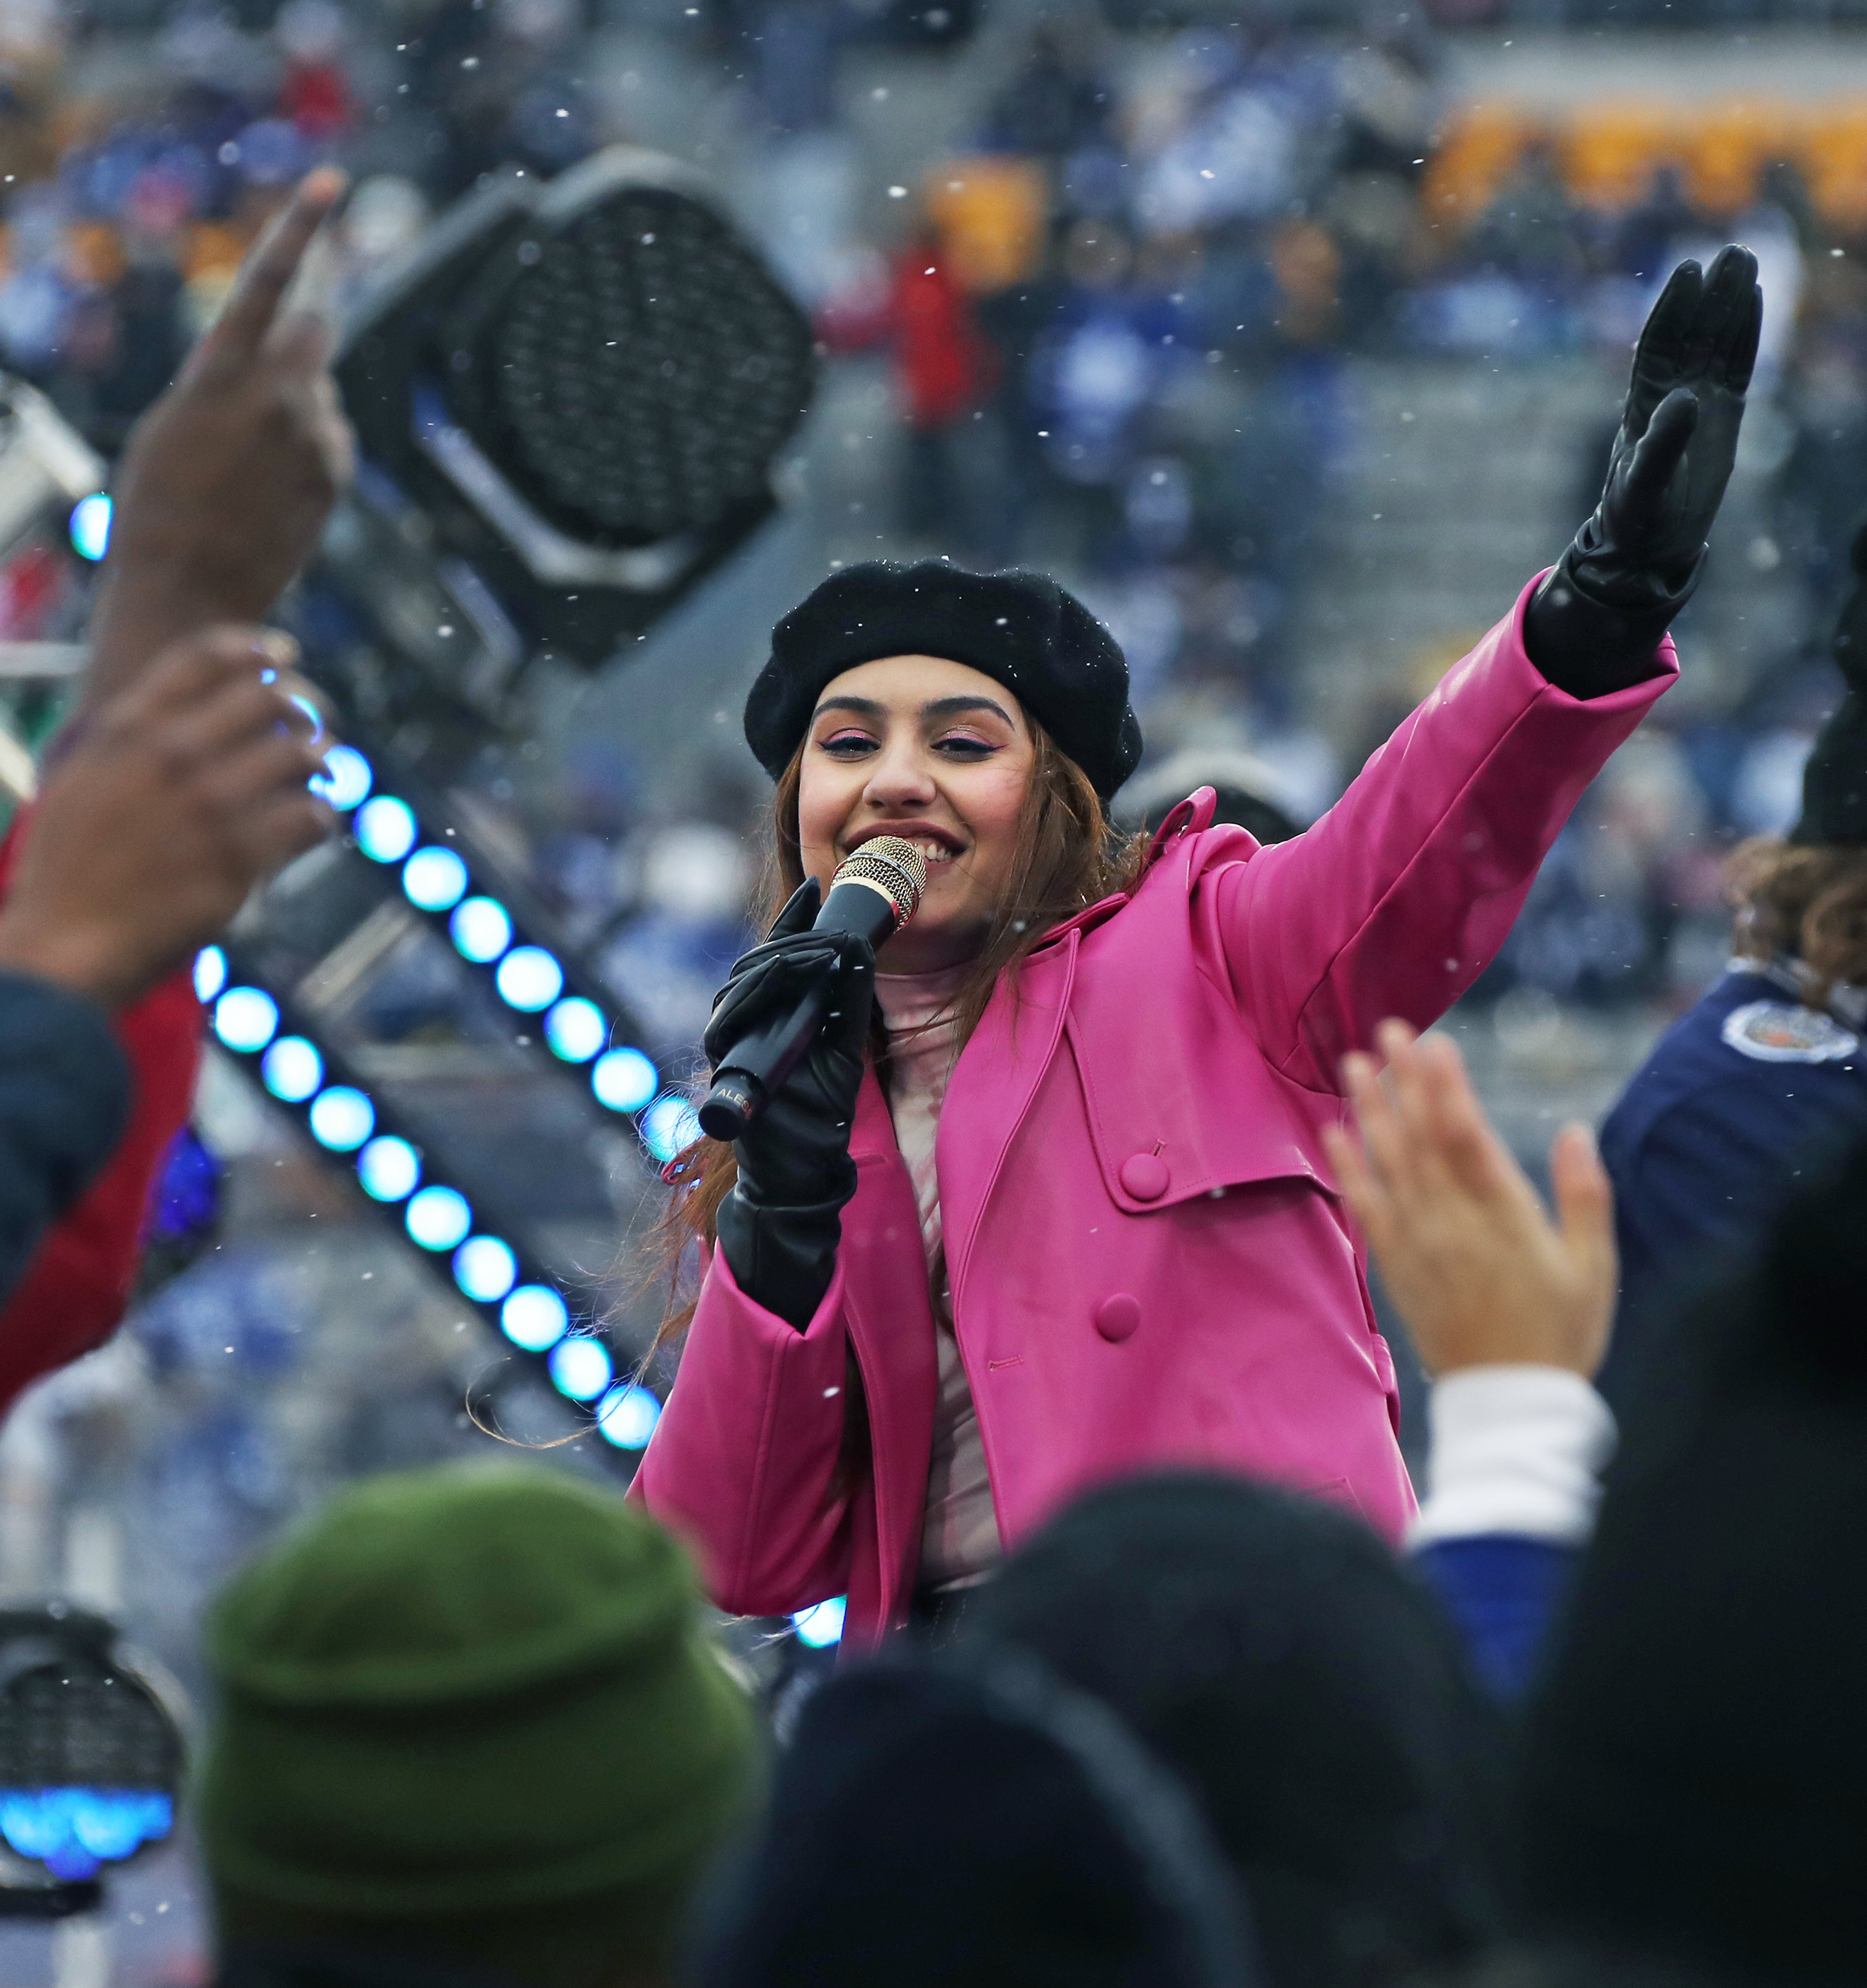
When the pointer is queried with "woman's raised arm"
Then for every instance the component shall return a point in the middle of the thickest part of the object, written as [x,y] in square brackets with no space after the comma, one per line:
[1400,896]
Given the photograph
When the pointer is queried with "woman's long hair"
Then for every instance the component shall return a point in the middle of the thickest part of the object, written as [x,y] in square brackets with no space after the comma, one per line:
[1809,904]
[1065,857]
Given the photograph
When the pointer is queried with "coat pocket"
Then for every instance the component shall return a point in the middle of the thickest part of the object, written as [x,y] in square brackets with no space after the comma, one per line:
[1195,1124]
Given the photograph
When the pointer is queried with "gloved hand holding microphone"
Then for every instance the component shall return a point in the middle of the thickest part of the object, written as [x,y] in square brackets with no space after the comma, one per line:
[787,1039]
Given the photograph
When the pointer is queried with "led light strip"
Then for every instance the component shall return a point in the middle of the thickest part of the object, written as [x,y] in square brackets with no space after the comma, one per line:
[509,1289]
[530,979]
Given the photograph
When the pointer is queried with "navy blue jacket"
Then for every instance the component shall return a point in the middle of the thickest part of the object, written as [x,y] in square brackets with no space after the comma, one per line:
[1504,1592]
[64,1098]
[1737,1098]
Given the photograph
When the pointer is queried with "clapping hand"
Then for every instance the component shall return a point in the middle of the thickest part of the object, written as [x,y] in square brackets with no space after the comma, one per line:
[182,792]
[1476,1268]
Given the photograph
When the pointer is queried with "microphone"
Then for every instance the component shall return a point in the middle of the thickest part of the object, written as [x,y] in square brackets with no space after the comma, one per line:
[873,894]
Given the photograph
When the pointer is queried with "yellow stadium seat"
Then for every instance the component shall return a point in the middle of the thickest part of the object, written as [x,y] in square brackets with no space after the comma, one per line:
[1611,150]
[1729,146]
[990,213]
[1478,147]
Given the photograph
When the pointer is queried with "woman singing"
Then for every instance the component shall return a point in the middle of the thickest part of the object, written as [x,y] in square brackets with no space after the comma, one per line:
[1047,1203]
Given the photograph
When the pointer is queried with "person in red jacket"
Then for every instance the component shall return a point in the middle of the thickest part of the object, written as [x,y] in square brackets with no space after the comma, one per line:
[945,371]
[221,495]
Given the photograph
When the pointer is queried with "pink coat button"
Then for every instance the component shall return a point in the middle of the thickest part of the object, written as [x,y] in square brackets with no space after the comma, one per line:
[1116,1317]
[1145,1175]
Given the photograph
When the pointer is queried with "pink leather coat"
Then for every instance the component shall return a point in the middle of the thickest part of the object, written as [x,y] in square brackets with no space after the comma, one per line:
[1150,1263]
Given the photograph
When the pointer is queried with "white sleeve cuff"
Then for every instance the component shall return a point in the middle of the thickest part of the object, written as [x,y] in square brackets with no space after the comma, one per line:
[1513,1449]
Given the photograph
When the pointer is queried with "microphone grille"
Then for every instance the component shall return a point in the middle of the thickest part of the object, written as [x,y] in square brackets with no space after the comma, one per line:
[895,867]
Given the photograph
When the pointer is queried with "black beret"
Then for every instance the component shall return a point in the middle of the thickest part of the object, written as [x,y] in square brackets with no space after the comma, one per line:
[1022,629]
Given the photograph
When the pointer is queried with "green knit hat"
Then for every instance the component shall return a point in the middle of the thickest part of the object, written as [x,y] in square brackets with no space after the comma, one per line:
[471,1689]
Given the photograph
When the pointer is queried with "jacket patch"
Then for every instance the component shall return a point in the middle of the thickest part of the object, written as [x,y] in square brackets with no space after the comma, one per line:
[1780,1032]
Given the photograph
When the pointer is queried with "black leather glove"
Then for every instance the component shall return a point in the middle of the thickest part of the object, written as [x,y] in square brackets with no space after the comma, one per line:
[1594,623]
[780,1226]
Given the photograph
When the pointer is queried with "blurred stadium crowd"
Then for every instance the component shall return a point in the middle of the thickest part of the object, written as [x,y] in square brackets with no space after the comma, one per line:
[1127,297]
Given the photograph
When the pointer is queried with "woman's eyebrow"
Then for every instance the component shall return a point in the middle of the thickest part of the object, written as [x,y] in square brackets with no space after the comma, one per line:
[950,707]
[866,706]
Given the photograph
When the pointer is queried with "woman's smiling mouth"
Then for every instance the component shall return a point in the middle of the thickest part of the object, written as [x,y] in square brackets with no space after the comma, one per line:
[938,845]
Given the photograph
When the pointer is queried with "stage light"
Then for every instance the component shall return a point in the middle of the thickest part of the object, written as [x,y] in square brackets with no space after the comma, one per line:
[73,1831]
[90,1753]
[627,1417]
[384,829]
[438,1219]
[575,1030]
[485,1268]
[210,973]
[342,1118]
[91,526]
[245,1019]
[670,422]
[346,779]
[292,1069]
[534,1317]
[669,1126]
[434,879]
[528,979]
[581,1368]
[389,1169]
[589,384]
[821,1626]
[625,1079]
[481,930]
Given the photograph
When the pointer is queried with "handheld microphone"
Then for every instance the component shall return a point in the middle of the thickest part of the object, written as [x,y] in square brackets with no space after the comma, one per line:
[873,894]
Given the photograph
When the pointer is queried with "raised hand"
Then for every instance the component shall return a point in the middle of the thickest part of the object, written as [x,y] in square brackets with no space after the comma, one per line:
[1480,1272]
[1679,428]
[181,793]
[227,481]
[1633,566]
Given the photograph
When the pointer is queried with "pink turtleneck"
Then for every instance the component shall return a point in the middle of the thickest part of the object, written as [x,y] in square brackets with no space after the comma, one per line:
[959,1541]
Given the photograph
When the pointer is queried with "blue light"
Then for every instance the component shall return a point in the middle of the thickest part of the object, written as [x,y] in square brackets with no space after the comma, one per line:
[575,1030]
[485,1268]
[821,1626]
[346,780]
[625,1079]
[670,1125]
[530,979]
[581,1368]
[534,1317]
[481,930]
[74,1831]
[245,1019]
[389,1169]
[384,829]
[434,879]
[627,1417]
[90,527]
[291,1069]
[342,1118]
[210,973]
[438,1219]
